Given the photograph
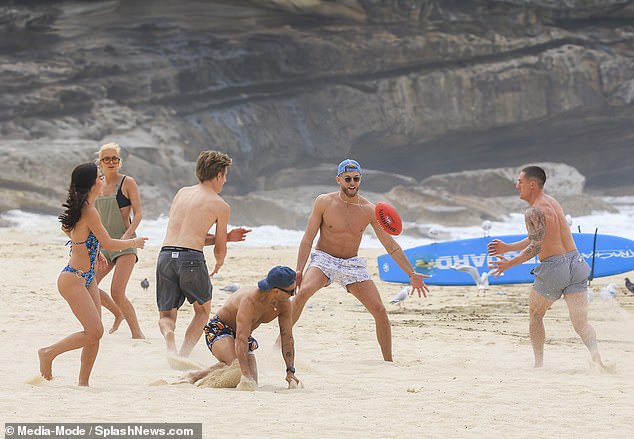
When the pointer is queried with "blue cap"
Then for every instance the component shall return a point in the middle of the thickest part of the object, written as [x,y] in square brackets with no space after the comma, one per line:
[348,165]
[279,277]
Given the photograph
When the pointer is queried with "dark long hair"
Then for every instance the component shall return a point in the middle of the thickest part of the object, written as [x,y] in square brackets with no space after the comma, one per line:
[82,180]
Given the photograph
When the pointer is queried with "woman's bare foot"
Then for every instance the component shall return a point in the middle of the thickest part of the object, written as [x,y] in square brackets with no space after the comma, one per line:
[115,325]
[46,363]
[139,336]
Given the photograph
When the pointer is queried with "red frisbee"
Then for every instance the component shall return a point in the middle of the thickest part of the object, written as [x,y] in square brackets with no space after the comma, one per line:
[388,218]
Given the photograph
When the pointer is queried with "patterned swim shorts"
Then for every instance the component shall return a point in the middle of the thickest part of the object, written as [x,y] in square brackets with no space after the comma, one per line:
[217,329]
[342,271]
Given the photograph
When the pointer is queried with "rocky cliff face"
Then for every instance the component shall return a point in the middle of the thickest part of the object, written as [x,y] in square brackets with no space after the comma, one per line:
[412,87]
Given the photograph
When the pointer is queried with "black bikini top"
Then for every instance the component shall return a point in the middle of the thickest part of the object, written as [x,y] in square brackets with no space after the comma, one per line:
[122,200]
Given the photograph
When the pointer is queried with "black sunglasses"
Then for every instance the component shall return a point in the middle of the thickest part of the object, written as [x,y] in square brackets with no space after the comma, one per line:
[289,292]
[349,179]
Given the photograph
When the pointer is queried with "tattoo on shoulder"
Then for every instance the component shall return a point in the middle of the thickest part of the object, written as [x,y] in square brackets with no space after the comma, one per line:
[536,227]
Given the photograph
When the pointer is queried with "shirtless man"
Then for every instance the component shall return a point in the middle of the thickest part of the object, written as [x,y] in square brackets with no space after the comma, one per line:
[228,333]
[340,218]
[561,271]
[181,270]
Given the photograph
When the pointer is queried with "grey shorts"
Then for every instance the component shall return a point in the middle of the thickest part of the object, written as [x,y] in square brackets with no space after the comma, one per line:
[181,274]
[561,274]
[343,271]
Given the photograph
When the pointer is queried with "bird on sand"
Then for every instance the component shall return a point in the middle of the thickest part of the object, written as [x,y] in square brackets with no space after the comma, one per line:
[481,280]
[145,284]
[400,297]
[608,293]
[629,285]
[231,288]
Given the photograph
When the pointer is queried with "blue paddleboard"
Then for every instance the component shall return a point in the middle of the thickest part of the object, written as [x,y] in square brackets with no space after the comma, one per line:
[612,255]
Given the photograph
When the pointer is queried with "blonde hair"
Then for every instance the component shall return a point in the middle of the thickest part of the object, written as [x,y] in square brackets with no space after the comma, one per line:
[210,164]
[109,147]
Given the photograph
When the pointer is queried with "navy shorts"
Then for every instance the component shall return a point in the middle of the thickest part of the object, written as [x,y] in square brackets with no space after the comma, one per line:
[181,274]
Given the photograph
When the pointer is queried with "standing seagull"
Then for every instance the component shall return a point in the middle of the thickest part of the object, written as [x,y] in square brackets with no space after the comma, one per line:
[481,280]
[231,288]
[145,284]
[401,296]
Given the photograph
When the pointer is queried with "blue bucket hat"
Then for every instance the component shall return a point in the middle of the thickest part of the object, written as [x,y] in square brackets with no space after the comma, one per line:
[279,277]
[348,165]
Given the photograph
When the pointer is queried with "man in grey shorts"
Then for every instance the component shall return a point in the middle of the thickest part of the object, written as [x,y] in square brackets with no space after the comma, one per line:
[562,270]
[181,271]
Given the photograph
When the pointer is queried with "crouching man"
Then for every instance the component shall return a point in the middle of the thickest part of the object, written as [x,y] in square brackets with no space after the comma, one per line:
[229,333]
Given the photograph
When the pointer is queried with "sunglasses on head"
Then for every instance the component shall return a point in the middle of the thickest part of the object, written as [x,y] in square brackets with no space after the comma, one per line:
[289,292]
[348,179]
[113,160]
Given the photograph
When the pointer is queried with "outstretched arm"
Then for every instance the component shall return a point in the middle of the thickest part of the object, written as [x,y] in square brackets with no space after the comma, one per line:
[536,226]
[396,252]
[234,235]
[285,320]
[96,226]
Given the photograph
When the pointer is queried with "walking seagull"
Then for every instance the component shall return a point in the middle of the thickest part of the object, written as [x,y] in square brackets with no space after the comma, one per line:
[481,280]
[400,297]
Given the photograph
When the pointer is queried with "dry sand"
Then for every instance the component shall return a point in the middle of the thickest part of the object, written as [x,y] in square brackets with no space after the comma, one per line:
[463,364]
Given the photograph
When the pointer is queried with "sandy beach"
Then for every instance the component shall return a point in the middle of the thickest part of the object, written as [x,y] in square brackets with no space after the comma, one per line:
[463,364]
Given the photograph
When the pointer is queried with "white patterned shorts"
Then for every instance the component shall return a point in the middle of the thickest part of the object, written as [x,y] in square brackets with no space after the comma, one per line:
[342,271]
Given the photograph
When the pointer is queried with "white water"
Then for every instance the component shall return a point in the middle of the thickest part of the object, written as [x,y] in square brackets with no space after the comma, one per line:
[620,224]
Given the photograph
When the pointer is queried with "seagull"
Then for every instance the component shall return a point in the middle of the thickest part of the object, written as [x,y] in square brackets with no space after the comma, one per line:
[145,284]
[608,293]
[400,297]
[230,288]
[629,285]
[569,220]
[481,280]
[486,226]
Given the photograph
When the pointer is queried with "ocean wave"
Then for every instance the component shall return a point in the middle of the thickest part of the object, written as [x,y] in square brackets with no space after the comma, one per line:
[620,224]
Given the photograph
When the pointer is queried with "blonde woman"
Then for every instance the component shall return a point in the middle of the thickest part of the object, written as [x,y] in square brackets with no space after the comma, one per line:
[76,283]
[121,212]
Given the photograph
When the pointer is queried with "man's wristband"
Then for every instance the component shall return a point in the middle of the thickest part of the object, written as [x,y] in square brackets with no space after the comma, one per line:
[290,369]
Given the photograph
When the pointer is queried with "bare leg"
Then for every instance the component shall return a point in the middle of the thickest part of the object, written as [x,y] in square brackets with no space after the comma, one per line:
[84,307]
[111,306]
[124,265]
[89,352]
[367,293]
[196,375]
[167,324]
[107,302]
[195,328]
[578,312]
[538,305]
[225,352]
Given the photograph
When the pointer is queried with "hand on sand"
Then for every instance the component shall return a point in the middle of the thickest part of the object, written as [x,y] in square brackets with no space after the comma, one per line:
[247,384]
[296,385]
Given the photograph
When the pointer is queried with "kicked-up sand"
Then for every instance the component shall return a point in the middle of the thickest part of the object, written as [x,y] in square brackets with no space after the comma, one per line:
[462,369]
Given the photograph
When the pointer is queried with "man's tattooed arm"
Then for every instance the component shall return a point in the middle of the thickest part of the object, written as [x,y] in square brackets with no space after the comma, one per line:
[536,226]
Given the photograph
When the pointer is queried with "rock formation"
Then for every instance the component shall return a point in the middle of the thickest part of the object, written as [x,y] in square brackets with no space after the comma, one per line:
[412,87]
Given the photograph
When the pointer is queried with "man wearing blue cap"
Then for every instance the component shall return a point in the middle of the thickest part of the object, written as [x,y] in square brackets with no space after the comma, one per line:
[228,333]
[341,217]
